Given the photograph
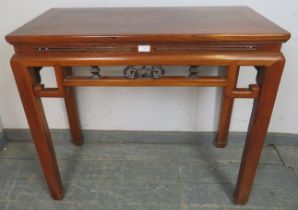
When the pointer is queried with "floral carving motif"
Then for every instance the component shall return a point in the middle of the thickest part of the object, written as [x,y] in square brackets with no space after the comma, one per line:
[134,72]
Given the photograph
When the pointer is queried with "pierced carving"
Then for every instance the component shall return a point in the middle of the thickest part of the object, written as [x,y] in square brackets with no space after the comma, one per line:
[193,72]
[157,72]
[131,72]
[95,72]
[153,72]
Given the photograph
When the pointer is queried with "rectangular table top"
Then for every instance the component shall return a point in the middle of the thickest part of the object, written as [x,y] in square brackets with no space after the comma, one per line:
[149,24]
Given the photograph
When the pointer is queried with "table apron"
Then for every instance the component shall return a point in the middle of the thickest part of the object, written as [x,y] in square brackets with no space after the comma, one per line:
[205,59]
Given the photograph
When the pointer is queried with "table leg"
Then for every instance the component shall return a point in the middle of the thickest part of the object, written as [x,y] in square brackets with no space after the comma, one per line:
[72,113]
[25,79]
[268,79]
[227,107]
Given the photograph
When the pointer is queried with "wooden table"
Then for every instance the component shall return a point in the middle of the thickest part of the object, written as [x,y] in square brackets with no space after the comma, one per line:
[147,39]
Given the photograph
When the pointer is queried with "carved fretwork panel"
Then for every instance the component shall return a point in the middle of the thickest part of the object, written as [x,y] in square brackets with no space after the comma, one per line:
[153,72]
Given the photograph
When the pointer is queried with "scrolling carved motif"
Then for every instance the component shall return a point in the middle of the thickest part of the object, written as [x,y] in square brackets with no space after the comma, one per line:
[153,72]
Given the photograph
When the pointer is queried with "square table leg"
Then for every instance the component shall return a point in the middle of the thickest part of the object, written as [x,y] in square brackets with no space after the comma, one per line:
[227,107]
[25,79]
[268,78]
[72,112]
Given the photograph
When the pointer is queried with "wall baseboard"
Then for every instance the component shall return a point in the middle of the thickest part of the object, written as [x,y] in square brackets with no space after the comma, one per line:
[3,139]
[61,135]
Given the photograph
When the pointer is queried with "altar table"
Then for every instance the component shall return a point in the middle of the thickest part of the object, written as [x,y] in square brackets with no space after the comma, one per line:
[145,41]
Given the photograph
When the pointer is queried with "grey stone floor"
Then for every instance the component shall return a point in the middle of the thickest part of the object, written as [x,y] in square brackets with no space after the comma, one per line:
[131,176]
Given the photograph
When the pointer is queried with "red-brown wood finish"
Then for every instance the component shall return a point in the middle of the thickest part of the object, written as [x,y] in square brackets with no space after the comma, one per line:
[25,80]
[196,36]
[184,24]
[268,79]
[227,107]
[71,109]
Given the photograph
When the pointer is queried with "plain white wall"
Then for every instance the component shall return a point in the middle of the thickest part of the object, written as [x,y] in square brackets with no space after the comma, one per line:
[173,109]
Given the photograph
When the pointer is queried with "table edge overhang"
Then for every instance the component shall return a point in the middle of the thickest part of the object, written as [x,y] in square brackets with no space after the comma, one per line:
[144,38]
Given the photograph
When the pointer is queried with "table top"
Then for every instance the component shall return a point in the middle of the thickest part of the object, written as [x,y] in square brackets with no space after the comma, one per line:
[149,24]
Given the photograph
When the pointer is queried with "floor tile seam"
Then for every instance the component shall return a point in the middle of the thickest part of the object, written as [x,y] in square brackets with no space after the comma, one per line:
[197,161]
[279,155]
[93,202]
[221,163]
[103,182]
[85,159]
[178,172]
[209,206]
[219,183]
[122,184]
[235,207]
[285,164]
[179,187]
[59,142]
[18,158]
[133,142]
[202,182]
